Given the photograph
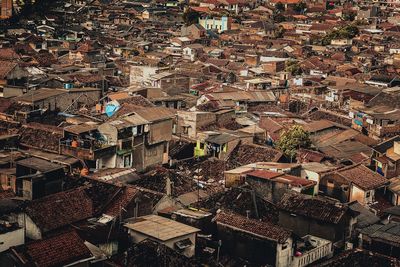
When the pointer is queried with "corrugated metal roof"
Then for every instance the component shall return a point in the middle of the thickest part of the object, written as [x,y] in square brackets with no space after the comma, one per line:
[160,228]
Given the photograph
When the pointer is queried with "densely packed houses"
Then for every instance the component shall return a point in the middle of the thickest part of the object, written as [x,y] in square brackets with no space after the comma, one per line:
[200,133]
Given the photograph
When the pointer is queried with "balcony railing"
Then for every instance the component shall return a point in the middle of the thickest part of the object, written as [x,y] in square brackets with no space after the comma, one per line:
[90,152]
[312,255]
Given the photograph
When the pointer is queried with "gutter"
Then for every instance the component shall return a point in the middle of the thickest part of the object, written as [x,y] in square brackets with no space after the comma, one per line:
[80,261]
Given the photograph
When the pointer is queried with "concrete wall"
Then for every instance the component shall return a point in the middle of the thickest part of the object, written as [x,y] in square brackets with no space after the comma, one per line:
[334,185]
[174,84]
[109,132]
[11,239]
[312,176]
[106,162]
[195,120]
[188,252]
[360,195]
[269,190]
[302,226]
[63,101]
[12,91]
[154,154]
[31,229]
[284,253]
[242,245]
[160,131]
[141,74]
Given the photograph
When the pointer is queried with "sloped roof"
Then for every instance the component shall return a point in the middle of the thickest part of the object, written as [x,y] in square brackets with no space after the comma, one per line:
[362,177]
[388,233]
[253,227]
[358,257]
[384,146]
[6,67]
[58,250]
[60,209]
[313,207]
[153,114]
[160,228]
[122,200]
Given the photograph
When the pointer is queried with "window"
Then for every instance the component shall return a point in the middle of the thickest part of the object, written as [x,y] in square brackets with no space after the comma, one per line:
[368,194]
[127,161]
[330,183]
[284,246]
[201,145]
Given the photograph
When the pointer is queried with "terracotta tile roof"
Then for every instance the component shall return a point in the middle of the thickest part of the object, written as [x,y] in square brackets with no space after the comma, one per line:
[40,136]
[60,209]
[264,174]
[281,178]
[294,181]
[8,54]
[313,207]
[6,67]
[286,1]
[358,257]
[363,177]
[246,154]
[6,194]
[253,227]
[306,155]
[125,197]
[58,250]
[201,9]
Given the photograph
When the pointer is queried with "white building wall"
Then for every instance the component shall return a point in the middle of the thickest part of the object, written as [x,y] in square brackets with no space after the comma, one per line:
[11,239]
[312,176]
[32,231]
[284,253]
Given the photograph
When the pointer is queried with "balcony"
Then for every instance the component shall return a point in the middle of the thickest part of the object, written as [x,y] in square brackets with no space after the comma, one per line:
[87,151]
[311,249]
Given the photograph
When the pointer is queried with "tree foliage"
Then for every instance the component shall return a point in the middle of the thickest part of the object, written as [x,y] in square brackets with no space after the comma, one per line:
[190,17]
[278,18]
[280,7]
[346,32]
[349,16]
[299,7]
[293,139]
[293,67]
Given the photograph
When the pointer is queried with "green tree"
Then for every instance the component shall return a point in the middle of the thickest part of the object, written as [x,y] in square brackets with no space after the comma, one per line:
[299,7]
[190,17]
[278,18]
[279,7]
[293,67]
[349,16]
[293,139]
[346,32]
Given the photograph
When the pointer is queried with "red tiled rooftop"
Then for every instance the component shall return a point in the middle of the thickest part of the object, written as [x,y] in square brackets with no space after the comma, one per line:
[363,177]
[58,250]
[293,180]
[264,174]
[60,209]
[251,226]
[281,178]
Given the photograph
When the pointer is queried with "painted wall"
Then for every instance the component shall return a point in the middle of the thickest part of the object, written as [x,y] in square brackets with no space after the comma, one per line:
[11,239]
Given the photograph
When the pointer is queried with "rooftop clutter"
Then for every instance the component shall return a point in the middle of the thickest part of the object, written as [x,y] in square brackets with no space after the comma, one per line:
[200,133]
